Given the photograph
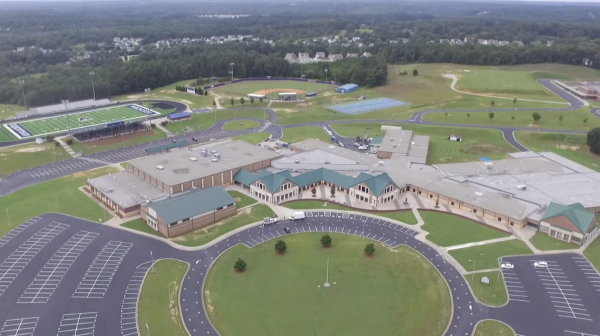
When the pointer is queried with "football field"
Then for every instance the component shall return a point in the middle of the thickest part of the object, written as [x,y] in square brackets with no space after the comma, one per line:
[78,121]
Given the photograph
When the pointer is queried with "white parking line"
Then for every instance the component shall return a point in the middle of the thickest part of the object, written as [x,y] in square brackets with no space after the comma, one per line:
[20,228]
[77,324]
[576,333]
[19,327]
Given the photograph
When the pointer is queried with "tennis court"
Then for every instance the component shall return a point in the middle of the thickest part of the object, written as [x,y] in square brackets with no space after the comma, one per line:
[75,121]
[368,105]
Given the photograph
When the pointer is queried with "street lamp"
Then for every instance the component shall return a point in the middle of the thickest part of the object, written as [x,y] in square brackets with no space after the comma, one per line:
[232,64]
[326,71]
[22,85]
[147,92]
[268,87]
[92,73]
[473,274]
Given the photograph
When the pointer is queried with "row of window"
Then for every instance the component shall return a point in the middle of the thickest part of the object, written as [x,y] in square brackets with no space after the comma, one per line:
[363,189]
[388,189]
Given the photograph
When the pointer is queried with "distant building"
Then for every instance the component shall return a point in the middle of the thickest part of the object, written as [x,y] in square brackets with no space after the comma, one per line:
[336,57]
[291,57]
[366,54]
[347,88]
[320,55]
[351,55]
[570,223]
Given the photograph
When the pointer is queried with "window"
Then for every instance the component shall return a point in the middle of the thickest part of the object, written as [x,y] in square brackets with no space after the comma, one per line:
[499,219]
[559,235]
[430,196]
[220,208]
[363,189]
[474,211]
[544,229]
[451,203]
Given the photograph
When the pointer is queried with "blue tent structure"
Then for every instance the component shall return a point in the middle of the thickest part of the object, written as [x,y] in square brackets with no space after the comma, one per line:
[178,116]
[347,88]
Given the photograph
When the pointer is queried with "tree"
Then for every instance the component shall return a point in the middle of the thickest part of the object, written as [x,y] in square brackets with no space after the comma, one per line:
[56,143]
[593,140]
[493,103]
[585,120]
[251,100]
[240,265]
[69,141]
[332,191]
[560,118]
[205,92]
[260,99]
[242,101]
[232,101]
[415,72]
[326,240]
[536,116]
[214,104]
[314,191]
[468,115]
[512,118]
[370,249]
[280,246]
[446,114]
[515,101]
[153,125]
[491,115]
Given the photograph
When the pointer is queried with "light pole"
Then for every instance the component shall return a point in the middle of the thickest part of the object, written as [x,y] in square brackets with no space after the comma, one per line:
[326,71]
[8,218]
[66,102]
[151,257]
[22,85]
[232,64]
[268,87]
[263,226]
[473,274]
[92,73]
[147,327]
[303,84]
[147,92]
[327,278]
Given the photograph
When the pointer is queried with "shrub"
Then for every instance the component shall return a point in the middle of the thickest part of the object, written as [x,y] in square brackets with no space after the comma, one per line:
[370,249]
[326,240]
[240,265]
[280,246]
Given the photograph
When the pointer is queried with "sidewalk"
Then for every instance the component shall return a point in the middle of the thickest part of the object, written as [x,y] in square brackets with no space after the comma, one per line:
[484,242]
[65,146]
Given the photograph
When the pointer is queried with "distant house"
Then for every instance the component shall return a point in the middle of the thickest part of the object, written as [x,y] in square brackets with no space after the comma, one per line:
[303,56]
[351,55]
[291,57]
[518,43]
[503,43]
[320,55]
[336,57]
[570,223]
[366,54]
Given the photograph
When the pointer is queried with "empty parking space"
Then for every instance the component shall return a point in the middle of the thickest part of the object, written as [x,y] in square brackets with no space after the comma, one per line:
[514,286]
[99,275]
[588,272]
[129,305]
[14,232]
[47,280]
[77,324]
[12,266]
[19,327]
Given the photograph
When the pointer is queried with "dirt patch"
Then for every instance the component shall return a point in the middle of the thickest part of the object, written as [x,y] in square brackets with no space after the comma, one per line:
[284,110]
[266,92]
[573,148]
[30,150]
[209,306]
[134,97]
[119,138]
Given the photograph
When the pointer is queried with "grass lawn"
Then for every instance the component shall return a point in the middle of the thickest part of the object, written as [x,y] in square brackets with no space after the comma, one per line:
[493,328]
[58,195]
[486,256]
[203,121]
[169,93]
[477,142]
[570,146]
[494,293]
[272,88]
[297,134]
[252,138]
[8,110]
[141,225]
[154,306]
[21,157]
[247,216]
[5,136]
[124,165]
[545,243]
[448,230]
[549,119]
[241,200]
[592,252]
[406,217]
[368,296]
[240,125]
[91,147]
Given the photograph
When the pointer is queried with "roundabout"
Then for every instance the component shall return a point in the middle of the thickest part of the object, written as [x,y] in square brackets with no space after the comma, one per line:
[394,291]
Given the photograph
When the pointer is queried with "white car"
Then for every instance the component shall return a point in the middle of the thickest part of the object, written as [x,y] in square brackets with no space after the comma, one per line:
[540,264]
[340,144]
[356,144]
[507,265]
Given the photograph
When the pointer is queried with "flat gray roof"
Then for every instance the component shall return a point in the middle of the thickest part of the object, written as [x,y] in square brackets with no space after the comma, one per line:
[523,155]
[319,158]
[396,141]
[183,165]
[419,147]
[126,189]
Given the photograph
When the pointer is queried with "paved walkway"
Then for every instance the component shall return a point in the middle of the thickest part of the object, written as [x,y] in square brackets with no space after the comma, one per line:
[66,147]
[491,241]
[160,127]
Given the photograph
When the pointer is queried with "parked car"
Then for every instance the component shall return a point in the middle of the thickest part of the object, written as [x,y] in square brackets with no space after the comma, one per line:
[269,221]
[356,144]
[340,144]
[362,147]
[287,230]
[540,264]
[212,139]
[194,139]
[507,265]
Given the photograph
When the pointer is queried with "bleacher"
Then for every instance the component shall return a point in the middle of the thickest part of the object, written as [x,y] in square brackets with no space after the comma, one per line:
[75,105]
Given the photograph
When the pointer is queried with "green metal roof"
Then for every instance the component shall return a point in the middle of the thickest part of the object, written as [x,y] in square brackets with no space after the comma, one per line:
[168,146]
[245,177]
[182,206]
[577,214]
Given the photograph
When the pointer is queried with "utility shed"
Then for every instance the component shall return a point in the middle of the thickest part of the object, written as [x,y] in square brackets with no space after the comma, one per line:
[185,212]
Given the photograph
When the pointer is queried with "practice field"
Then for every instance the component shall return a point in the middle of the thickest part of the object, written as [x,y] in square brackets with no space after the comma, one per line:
[108,116]
[520,84]
[272,88]
[395,292]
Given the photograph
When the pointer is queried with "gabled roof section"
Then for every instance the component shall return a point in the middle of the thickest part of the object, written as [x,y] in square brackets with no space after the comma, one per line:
[272,181]
[576,213]
[376,183]
[185,205]
[245,177]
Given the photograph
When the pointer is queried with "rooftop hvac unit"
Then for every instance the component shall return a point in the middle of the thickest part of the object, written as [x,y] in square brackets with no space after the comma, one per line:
[357,162]
[326,162]
[477,193]
[109,190]
[394,145]
[159,167]
[193,159]
[297,161]
[522,187]
[391,139]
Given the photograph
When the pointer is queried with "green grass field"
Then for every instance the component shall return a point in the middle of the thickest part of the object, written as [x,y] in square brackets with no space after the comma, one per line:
[203,121]
[99,146]
[493,328]
[543,242]
[168,92]
[592,252]
[477,142]
[252,138]
[51,125]
[241,200]
[570,146]
[8,110]
[492,294]
[406,217]
[240,125]
[486,256]
[154,306]
[59,195]
[247,216]
[5,136]
[21,157]
[141,225]
[297,134]
[549,119]
[448,230]
[284,294]
[272,88]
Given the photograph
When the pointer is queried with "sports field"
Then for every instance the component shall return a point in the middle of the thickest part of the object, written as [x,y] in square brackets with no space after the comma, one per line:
[273,88]
[74,121]
[508,83]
